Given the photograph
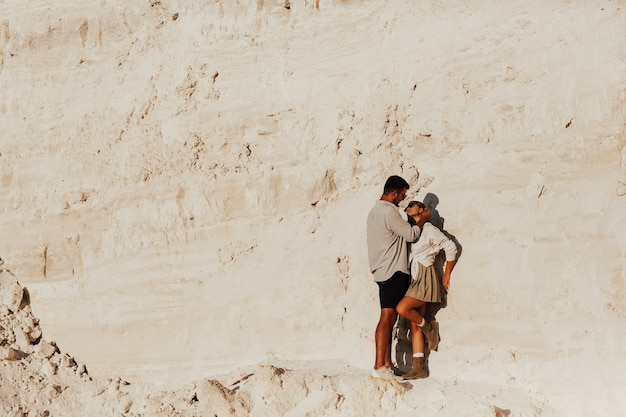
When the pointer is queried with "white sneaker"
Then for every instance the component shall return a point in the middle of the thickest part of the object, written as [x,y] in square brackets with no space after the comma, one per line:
[383,373]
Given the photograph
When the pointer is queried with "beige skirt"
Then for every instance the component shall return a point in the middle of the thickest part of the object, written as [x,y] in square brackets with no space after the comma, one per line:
[427,285]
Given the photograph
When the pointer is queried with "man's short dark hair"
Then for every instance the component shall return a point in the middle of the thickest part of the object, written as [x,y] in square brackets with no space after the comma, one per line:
[395,183]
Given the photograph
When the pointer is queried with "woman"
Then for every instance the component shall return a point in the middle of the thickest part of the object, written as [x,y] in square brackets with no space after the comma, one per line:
[426,287]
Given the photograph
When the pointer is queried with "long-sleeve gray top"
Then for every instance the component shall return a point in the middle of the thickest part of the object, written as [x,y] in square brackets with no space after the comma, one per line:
[387,237]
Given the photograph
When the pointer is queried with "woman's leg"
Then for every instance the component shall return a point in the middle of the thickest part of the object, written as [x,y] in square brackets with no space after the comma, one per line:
[417,337]
[414,309]
[410,307]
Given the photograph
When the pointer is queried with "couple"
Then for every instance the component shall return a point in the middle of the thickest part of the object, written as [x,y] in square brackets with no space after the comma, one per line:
[400,291]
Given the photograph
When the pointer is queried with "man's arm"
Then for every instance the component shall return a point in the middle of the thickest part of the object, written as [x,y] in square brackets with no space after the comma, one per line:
[402,228]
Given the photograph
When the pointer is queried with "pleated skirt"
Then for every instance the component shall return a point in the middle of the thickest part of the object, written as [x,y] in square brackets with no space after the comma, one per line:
[426,285]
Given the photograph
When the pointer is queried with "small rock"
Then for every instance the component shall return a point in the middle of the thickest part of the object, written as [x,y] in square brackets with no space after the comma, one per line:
[21,339]
[35,334]
[28,323]
[68,362]
[82,369]
[55,359]
[53,391]
[48,369]
[46,350]
[127,406]
[13,296]
[11,354]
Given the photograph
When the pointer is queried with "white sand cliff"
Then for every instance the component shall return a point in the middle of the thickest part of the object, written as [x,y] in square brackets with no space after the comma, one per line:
[185,187]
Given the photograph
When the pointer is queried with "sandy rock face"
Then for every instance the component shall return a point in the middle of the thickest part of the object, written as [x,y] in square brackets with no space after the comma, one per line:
[185,186]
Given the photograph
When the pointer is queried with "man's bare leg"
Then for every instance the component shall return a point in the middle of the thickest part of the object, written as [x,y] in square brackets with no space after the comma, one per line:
[383,337]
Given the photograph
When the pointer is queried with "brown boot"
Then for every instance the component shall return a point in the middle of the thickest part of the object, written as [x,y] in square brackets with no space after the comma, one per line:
[418,370]
[431,331]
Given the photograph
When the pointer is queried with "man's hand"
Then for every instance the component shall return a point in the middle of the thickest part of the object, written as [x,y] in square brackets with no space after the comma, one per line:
[420,219]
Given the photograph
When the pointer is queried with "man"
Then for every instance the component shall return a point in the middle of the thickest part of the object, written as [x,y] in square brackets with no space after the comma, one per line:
[387,237]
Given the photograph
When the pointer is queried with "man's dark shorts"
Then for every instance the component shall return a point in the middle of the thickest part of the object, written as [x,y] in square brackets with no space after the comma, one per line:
[391,291]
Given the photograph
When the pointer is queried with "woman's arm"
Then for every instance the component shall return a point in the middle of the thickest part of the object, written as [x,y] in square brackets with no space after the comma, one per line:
[444,242]
[445,279]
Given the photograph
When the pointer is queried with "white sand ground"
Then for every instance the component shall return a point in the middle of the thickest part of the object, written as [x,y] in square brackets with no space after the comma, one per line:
[185,186]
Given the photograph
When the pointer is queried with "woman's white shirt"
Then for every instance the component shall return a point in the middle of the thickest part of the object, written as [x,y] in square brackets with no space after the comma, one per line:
[430,242]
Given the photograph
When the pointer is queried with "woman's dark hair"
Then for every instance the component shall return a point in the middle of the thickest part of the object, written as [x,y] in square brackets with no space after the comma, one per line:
[416,203]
